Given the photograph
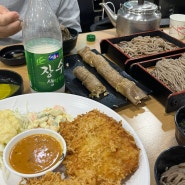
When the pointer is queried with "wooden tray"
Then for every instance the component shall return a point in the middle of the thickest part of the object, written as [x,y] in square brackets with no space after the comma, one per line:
[108,47]
[171,100]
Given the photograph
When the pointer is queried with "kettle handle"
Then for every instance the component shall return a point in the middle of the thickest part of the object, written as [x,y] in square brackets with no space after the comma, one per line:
[140,2]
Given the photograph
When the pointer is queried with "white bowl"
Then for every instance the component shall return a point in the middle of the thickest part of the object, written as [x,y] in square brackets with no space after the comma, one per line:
[22,135]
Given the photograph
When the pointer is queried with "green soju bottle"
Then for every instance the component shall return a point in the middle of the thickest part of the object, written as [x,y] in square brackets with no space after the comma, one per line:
[42,39]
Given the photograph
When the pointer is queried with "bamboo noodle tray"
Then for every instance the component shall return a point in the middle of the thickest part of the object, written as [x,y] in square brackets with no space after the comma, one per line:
[171,100]
[108,47]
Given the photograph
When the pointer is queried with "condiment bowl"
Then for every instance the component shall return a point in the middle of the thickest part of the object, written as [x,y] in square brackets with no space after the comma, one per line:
[13,55]
[11,84]
[69,44]
[180,125]
[168,158]
[39,150]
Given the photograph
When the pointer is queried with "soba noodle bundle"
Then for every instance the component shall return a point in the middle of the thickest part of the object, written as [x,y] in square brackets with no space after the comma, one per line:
[175,175]
[145,45]
[171,72]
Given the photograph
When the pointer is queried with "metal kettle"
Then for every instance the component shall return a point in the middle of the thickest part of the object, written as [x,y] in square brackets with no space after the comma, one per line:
[134,16]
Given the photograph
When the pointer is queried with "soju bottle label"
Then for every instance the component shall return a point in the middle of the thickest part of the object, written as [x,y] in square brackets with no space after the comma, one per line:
[46,71]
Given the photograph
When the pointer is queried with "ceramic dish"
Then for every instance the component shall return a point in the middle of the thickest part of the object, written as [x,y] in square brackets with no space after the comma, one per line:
[32,132]
[180,125]
[13,55]
[11,84]
[70,44]
[170,157]
[74,105]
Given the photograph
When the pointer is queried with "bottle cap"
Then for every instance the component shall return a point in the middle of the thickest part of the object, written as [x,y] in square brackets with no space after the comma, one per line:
[91,37]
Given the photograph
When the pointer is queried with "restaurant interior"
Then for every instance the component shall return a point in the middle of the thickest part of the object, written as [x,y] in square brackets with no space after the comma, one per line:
[153,119]
[93,17]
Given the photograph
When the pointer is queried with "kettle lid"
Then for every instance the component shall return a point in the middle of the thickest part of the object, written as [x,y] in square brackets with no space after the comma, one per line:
[146,7]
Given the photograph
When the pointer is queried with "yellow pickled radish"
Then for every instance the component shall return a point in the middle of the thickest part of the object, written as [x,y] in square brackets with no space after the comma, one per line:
[7,90]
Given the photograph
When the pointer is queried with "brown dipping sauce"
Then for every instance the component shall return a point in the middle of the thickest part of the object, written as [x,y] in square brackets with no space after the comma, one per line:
[35,153]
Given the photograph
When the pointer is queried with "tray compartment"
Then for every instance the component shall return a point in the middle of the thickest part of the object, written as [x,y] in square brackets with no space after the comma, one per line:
[108,47]
[171,100]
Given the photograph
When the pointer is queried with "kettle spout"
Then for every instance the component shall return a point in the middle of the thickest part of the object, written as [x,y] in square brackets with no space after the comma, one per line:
[111,15]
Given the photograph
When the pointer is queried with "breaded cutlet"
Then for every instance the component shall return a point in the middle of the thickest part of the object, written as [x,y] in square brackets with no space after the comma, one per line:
[99,147]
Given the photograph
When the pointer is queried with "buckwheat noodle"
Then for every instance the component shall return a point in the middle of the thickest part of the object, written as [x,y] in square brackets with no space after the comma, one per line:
[171,72]
[145,45]
[175,175]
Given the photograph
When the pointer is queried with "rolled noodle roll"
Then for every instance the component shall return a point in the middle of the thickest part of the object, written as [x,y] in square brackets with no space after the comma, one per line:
[106,71]
[87,55]
[90,81]
[121,84]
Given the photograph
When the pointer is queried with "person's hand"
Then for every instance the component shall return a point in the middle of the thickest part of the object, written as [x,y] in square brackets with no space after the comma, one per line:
[9,22]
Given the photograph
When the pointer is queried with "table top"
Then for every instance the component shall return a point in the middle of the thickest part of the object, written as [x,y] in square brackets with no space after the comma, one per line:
[155,128]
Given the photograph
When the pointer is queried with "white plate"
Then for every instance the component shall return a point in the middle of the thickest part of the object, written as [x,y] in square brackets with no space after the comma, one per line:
[74,105]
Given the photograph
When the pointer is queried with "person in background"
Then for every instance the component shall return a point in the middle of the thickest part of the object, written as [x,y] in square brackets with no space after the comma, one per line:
[12,11]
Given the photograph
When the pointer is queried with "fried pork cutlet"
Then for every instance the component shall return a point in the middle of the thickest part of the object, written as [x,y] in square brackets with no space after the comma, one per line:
[100,147]
[100,151]
[55,178]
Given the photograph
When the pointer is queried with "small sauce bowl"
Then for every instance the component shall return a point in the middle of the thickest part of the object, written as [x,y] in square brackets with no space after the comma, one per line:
[13,55]
[168,158]
[69,44]
[11,84]
[38,150]
[180,125]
